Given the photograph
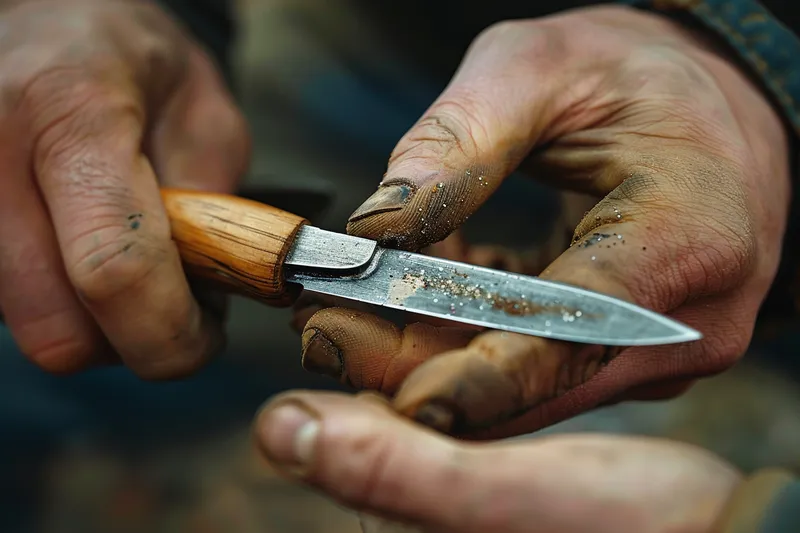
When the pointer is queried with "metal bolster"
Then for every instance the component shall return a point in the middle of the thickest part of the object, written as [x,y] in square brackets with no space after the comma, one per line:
[320,250]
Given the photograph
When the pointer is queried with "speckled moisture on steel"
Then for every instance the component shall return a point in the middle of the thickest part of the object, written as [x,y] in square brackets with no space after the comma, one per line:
[357,269]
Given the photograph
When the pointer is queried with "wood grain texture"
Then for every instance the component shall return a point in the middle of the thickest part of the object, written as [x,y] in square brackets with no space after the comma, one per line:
[236,244]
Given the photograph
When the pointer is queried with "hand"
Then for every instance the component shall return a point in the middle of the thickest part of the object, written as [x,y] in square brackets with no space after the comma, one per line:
[102,100]
[687,162]
[368,458]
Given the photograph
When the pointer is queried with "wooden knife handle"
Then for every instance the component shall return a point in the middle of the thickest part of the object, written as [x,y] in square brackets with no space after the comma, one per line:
[236,244]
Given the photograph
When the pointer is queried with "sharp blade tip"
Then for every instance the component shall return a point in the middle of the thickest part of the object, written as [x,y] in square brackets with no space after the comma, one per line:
[679,335]
[687,334]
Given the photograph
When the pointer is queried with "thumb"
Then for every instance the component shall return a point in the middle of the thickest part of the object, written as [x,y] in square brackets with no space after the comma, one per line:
[358,451]
[200,140]
[473,136]
[363,455]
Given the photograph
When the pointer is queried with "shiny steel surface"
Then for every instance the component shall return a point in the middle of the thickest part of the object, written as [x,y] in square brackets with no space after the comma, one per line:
[339,266]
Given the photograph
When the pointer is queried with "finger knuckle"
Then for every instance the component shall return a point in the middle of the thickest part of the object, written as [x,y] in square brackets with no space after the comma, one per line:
[177,346]
[697,224]
[537,43]
[375,468]
[218,119]
[726,350]
[367,464]
[115,263]
[450,131]
[504,29]
[675,99]
[67,122]
[727,339]
[160,52]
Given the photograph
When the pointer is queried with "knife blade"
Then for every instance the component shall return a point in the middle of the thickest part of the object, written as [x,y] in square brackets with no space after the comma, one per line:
[263,252]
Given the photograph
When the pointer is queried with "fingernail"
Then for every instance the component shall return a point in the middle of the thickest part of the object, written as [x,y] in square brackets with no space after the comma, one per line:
[320,355]
[436,416]
[289,435]
[386,198]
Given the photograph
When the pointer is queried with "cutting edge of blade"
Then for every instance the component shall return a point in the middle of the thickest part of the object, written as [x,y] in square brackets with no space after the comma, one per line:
[682,334]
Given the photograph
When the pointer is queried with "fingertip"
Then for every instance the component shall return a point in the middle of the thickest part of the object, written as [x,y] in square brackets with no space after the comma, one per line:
[68,356]
[63,343]
[185,353]
[288,428]
[320,355]
[350,345]
[287,433]
[451,391]
[412,214]
[360,452]
[366,351]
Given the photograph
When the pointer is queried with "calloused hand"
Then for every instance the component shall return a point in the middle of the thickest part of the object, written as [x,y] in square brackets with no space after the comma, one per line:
[102,100]
[688,165]
[361,453]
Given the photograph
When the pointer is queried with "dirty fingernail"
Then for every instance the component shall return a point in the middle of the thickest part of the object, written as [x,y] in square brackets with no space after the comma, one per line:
[320,355]
[436,416]
[289,435]
[386,198]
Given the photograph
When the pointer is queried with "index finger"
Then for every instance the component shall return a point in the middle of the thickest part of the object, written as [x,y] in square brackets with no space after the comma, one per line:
[112,229]
[628,246]
[639,245]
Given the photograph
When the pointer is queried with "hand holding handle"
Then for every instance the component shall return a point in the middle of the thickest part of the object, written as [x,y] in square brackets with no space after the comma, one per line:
[237,244]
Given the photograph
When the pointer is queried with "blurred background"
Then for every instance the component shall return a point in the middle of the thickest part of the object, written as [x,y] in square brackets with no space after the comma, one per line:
[103,452]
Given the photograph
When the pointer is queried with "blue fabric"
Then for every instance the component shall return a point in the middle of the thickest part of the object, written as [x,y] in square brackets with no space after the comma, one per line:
[784,514]
[39,407]
[40,412]
[768,47]
[361,108]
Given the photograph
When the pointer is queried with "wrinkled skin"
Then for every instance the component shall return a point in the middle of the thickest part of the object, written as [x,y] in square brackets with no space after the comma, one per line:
[362,453]
[99,97]
[680,154]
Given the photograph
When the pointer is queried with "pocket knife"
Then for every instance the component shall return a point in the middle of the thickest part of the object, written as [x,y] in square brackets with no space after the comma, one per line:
[268,254]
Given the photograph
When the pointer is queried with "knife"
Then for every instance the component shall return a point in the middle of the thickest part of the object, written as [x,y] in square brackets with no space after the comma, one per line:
[268,254]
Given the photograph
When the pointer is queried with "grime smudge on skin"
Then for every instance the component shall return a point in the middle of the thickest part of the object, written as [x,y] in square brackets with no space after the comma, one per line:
[437,206]
[607,239]
[135,220]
